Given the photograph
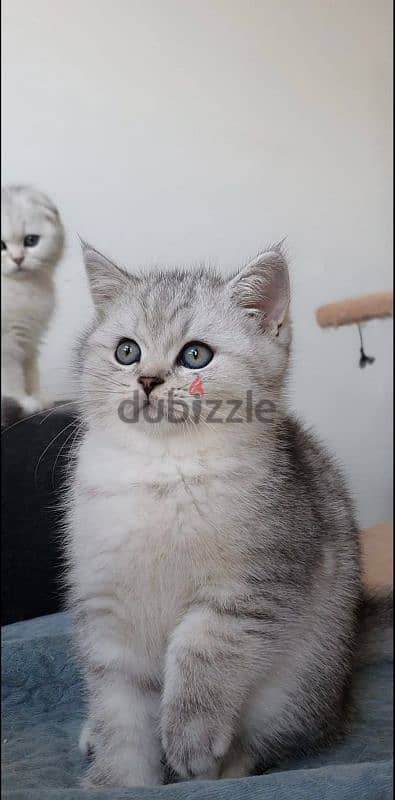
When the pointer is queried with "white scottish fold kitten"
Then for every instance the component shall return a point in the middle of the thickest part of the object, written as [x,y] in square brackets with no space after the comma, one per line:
[31,245]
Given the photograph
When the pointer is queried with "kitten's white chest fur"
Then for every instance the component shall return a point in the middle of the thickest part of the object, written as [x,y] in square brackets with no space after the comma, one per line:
[26,307]
[148,523]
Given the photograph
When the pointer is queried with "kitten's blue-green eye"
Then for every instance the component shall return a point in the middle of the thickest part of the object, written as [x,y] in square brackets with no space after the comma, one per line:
[3,245]
[127,352]
[195,355]
[31,239]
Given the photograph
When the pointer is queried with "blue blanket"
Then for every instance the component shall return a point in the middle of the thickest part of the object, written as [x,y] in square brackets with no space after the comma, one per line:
[42,712]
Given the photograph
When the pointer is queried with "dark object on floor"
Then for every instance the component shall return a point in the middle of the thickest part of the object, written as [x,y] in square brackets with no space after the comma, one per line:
[34,458]
[11,411]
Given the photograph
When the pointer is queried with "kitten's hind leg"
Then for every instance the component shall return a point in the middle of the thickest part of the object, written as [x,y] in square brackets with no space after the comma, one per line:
[282,725]
[237,763]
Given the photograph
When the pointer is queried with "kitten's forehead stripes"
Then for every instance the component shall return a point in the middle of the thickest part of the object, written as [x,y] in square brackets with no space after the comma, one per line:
[178,310]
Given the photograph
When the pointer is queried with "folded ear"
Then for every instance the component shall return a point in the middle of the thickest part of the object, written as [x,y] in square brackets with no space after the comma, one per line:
[106,280]
[262,287]
[49,210]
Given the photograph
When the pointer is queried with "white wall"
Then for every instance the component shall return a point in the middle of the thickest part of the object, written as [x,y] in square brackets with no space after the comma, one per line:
[180,130]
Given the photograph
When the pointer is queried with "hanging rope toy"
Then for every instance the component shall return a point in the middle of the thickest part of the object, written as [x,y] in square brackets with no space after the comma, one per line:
[363,359]
[356,310]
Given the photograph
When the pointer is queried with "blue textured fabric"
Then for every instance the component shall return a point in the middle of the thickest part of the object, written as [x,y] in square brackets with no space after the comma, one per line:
[42,712]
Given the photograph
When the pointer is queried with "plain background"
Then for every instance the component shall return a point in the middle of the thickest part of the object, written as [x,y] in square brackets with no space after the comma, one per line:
[177,131]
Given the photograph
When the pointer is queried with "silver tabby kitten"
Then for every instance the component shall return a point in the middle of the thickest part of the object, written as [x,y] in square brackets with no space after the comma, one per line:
[213,557]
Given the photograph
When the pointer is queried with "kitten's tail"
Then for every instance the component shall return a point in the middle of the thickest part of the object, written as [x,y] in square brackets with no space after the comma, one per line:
[376,620]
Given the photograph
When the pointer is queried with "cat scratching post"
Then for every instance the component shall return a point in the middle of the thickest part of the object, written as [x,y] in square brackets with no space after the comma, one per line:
[355,310]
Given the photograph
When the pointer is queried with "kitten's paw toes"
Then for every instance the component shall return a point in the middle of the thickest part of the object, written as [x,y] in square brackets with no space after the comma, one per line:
[14,409]
[196,748]
[111,773]
[30,404]
[237,765]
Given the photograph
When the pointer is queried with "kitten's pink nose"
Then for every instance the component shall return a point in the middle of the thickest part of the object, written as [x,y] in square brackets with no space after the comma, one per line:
[18,261]
[149,382]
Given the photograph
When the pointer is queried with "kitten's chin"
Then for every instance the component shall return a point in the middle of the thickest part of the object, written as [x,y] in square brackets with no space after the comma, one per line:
[153,420]
[11,271]
[25,271]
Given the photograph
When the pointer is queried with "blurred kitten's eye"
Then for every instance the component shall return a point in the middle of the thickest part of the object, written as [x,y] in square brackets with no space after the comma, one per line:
[31,239]
[195,355]
[3,245]
[127,352]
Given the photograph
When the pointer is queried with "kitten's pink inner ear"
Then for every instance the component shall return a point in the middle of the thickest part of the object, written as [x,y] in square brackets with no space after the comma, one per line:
[263,288]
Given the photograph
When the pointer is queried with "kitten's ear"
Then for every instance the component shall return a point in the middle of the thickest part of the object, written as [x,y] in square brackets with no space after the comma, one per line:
[262,287]
[106,280]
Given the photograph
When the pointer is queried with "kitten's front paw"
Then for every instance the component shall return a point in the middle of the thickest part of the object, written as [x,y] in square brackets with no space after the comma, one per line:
[30,404]
[116,764]
[195,746]
[120,772]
